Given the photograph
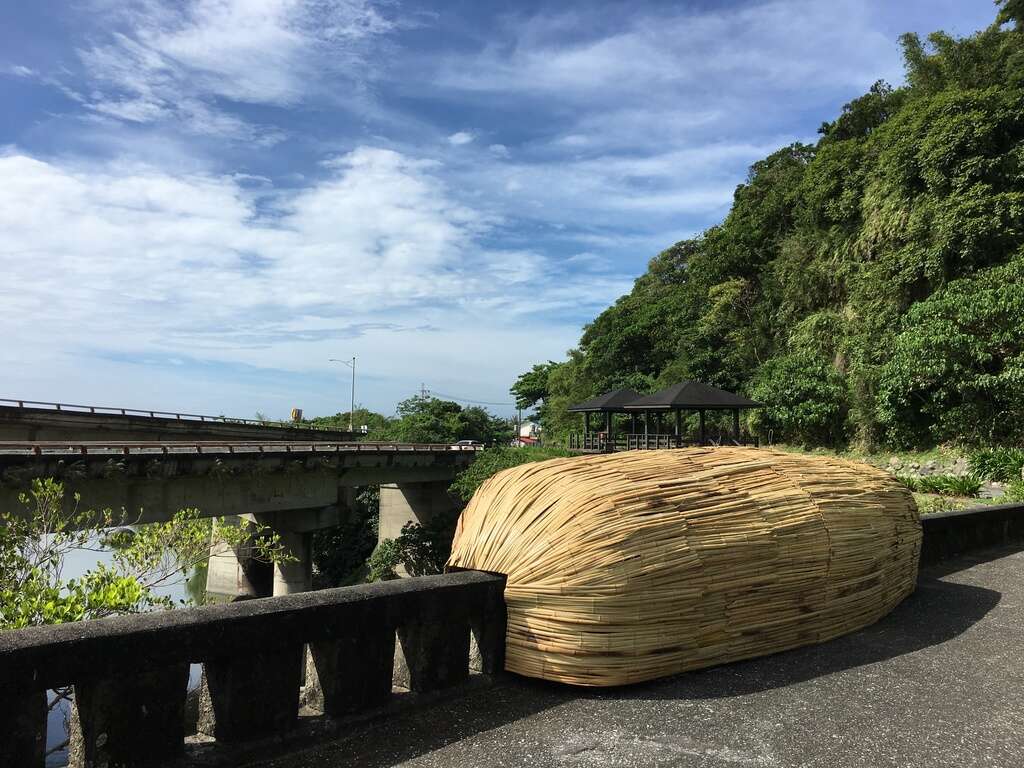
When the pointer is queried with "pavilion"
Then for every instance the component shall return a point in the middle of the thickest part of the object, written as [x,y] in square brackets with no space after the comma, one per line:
[685,396]
[693,396]
[609,404]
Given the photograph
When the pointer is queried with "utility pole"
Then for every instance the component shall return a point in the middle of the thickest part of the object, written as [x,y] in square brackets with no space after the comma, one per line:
[352,408]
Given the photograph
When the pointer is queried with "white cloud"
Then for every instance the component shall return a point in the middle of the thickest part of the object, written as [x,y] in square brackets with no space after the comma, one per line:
[460,138]
[498,150]
[177,60]
[132,260]
[782,44]
[19,70]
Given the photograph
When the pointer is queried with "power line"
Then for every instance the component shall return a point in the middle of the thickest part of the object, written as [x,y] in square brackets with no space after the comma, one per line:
[461,399]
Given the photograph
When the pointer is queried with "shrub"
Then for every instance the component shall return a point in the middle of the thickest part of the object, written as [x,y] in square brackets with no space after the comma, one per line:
[929,505]
[910,481]
[949,485]
[494,460]
[383,561]
[1015,491]
[424,549]
[340,553]
[1000,464]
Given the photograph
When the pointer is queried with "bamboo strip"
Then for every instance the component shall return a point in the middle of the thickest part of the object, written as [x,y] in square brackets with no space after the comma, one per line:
[637,565]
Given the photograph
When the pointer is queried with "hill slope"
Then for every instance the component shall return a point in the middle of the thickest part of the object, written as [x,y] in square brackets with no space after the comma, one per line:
[869,287]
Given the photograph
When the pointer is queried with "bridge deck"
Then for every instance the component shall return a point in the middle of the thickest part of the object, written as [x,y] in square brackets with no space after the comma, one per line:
[191,447]
[937,682]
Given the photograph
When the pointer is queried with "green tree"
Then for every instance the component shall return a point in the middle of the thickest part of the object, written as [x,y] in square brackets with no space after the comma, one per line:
[425,419]
[35,543]
[833,266]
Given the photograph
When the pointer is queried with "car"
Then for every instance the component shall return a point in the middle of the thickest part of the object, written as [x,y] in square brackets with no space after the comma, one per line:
[468,444]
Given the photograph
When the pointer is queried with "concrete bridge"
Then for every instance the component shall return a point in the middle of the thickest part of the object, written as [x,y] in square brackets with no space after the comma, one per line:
[293,487]
[935,683]
[39,421]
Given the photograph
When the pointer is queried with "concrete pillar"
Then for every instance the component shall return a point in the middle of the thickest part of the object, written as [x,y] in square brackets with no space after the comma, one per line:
[402,503]
[354,672]
[295,575]
[232,571]
[134,720]
[251,694]
[23,735]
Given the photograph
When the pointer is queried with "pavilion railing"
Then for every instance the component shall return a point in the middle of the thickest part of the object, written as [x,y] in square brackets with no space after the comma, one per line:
[601,442]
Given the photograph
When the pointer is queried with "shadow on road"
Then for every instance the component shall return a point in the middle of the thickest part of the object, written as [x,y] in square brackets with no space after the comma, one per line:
[936,613]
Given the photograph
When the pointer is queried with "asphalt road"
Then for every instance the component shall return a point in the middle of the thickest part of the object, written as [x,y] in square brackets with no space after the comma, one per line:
[939,682]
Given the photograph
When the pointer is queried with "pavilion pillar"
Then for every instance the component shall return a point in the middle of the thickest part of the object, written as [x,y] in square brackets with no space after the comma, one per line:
[632,422]
[647,423]
[586,424]
[679,422]
[736,425]
[703,429]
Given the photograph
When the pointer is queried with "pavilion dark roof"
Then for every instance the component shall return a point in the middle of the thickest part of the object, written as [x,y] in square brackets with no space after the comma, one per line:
[613,401]
[691,395]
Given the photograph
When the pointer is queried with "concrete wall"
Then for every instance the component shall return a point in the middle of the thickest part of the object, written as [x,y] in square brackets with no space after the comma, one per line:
[130,673]
[948,534]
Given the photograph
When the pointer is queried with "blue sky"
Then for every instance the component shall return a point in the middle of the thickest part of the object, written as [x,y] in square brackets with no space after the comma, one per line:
[202,201]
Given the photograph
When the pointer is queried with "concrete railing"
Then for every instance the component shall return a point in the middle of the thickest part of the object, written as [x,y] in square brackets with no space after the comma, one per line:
[948,534]
[130,673]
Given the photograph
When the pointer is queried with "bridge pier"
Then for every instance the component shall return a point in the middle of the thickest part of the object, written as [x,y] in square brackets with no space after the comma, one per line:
[233,571]
[418,502]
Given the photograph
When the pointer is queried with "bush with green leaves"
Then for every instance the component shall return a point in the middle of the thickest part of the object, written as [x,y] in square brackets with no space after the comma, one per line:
[384,559]
[36,541]
[340,553]
[949,485]
[493,460]
[1001,464]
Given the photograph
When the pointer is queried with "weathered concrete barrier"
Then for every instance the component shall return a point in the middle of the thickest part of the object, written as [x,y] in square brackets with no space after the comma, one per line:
[130,673]
[948,534]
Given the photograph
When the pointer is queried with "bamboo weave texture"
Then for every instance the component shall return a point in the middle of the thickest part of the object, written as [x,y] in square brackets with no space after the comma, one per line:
[631,566]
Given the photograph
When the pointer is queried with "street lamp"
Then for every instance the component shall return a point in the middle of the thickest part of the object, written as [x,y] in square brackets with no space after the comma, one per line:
[352,410]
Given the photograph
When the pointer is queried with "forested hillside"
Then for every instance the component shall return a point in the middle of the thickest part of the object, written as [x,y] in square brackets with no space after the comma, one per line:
[869,288]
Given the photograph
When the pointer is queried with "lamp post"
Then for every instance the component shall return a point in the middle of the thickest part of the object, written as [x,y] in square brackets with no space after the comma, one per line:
[352,409]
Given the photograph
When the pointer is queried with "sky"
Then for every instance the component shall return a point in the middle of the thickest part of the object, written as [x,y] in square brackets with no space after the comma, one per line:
[202,202]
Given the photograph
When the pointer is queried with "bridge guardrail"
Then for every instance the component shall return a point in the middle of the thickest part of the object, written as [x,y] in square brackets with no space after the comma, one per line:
[130,673]
[105,447]
[154,414]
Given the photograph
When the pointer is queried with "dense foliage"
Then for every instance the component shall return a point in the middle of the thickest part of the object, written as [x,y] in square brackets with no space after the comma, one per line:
[340,554]
[1003,464]
[494,460]
[426,419]
[868,288]
[37,541]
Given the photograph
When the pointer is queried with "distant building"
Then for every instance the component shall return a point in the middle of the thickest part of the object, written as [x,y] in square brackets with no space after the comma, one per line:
[529,429]
[529,434]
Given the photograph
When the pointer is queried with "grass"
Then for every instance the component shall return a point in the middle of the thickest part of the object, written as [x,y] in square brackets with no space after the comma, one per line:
[940,454]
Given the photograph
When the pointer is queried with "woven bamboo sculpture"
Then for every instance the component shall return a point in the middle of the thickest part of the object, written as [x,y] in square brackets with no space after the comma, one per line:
[631,566]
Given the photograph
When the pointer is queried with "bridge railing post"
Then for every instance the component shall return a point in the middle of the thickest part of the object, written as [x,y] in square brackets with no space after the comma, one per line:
[353,672]
[23,734]
[252,694]
[132,719]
